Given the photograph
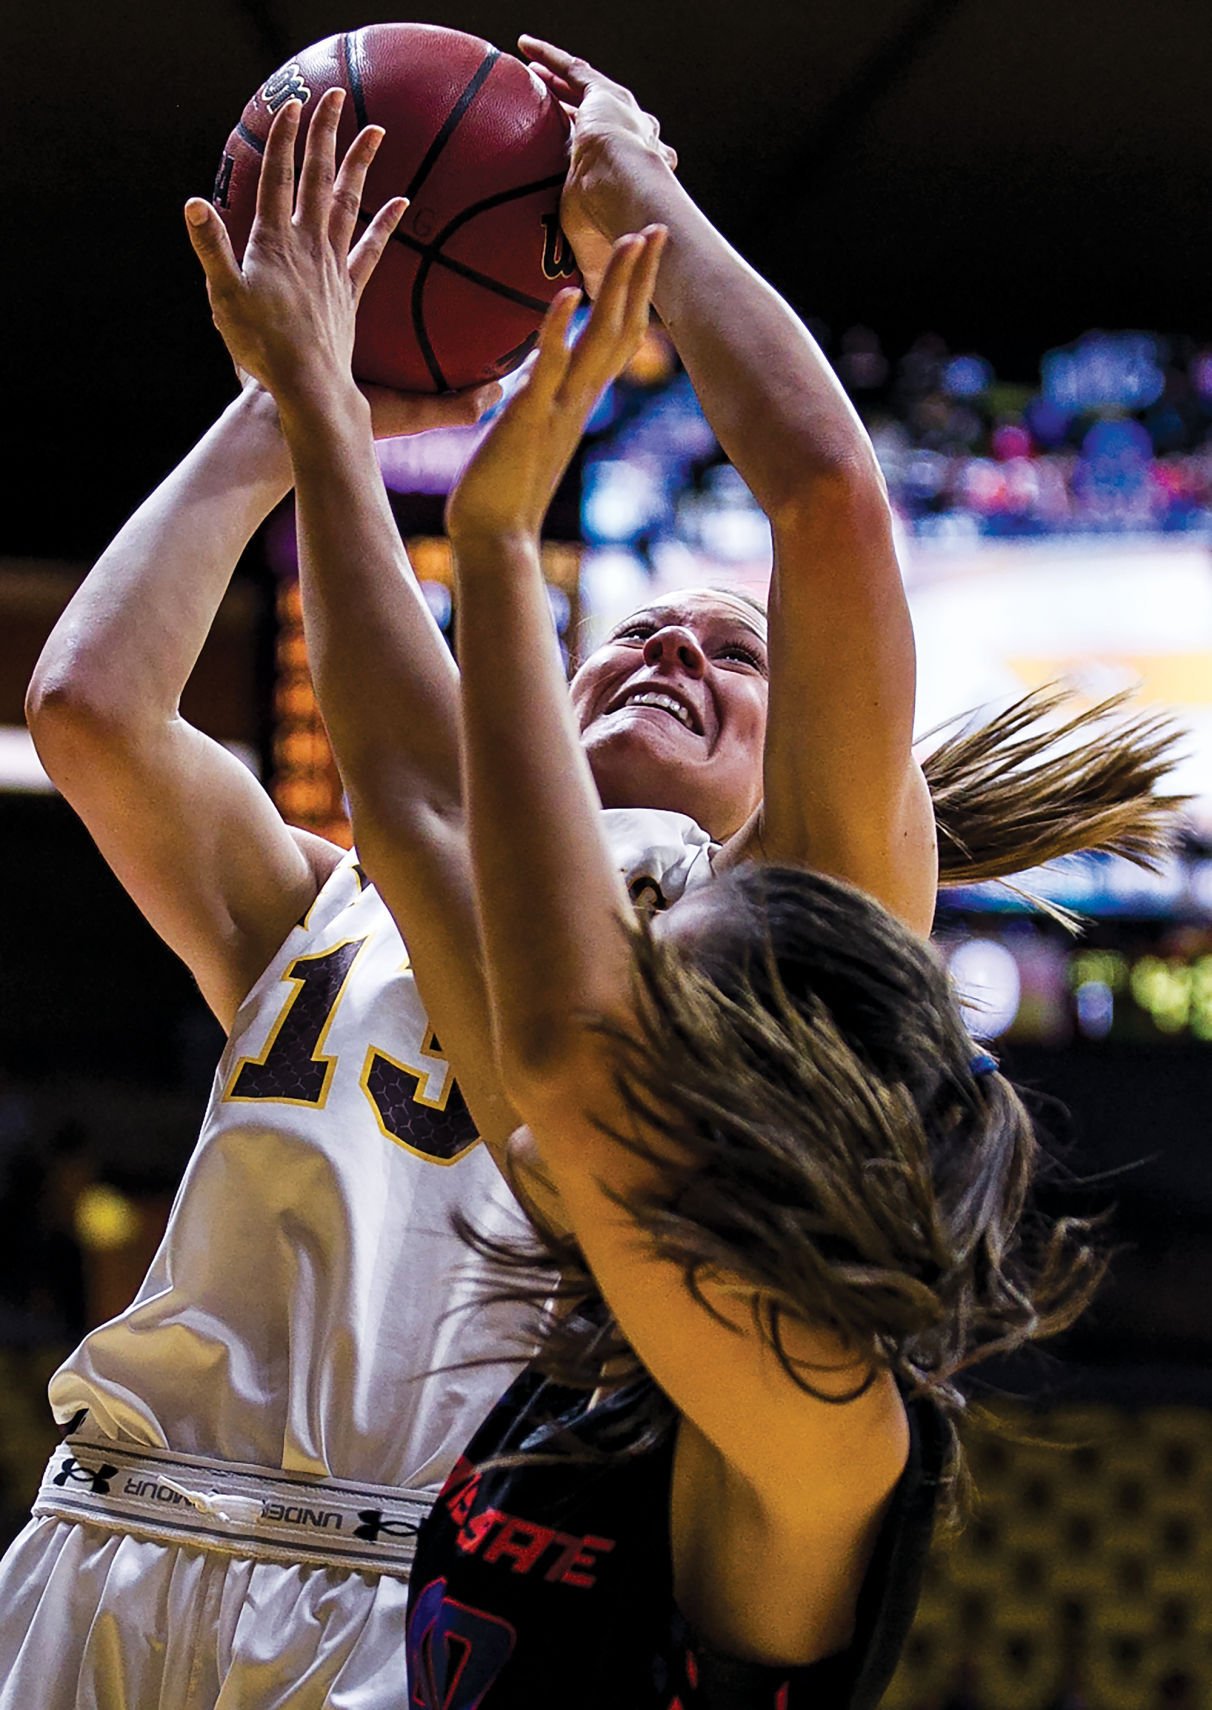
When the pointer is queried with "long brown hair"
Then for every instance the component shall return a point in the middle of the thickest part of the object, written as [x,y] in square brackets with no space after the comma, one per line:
[845,1157]
[1049,777]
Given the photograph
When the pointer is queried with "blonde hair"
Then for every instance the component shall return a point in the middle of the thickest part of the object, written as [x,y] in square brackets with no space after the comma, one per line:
[1047,778]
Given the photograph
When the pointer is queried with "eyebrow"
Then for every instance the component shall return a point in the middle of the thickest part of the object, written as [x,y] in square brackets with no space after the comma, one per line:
[671,614]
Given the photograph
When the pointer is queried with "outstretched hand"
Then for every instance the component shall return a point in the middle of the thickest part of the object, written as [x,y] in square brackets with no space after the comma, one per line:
[596,208]
[506,488]
[287,316]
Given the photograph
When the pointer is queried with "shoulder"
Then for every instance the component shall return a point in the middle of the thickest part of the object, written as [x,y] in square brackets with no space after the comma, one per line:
[322,856]
[892,856]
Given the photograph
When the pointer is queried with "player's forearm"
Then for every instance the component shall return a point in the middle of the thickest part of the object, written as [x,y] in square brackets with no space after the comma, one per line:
[548,895]
[124,648]
[384,676]
[389,689]
[775,404]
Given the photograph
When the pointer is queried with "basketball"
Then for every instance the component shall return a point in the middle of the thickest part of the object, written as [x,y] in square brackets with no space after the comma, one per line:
[480,148]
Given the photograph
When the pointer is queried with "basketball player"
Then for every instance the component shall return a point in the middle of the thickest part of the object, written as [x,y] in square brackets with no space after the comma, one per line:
[294,329]
[259,1440]
[251,1445]
[794,1185]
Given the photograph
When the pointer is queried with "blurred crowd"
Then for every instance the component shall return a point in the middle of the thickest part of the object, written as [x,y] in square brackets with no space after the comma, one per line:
[1115,436]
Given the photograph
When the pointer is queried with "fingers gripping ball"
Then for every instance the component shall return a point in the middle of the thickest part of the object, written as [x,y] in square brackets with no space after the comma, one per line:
[480,148]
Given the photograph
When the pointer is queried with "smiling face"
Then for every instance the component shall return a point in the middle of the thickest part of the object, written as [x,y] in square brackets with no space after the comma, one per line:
[672,709]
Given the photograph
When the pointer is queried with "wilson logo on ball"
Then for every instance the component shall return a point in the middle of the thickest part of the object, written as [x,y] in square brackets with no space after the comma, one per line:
[219,194]
[286,85]
[558,260]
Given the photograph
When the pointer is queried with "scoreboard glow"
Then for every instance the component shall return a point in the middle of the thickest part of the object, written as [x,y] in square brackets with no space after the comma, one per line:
[304,780]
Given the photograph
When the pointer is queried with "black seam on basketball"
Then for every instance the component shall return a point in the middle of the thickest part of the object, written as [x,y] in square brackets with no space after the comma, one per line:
[431,256]
[490,284]
[412,243]
[498,286]
[352,43]
[451,121]
[417,308]
[461,268]
[245,135]
[441,383]
[501,197]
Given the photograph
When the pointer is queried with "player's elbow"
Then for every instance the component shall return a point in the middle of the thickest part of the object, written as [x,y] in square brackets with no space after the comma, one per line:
[71,717]
[840,497]
[55,704]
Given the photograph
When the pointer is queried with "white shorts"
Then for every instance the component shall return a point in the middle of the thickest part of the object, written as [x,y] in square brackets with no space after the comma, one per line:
[104,1607]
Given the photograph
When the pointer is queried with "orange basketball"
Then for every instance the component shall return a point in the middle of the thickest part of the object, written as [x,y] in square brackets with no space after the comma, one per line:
[480,148]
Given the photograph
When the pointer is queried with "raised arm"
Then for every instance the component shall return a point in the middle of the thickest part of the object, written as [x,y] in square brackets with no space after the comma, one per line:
[841,789]
[556,970]
[385,679]
[185,826]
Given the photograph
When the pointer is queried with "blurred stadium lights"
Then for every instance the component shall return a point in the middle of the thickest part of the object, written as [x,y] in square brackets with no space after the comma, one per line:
[986,978]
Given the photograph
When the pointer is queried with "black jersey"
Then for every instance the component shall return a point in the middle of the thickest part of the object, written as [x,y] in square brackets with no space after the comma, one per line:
[541,1586]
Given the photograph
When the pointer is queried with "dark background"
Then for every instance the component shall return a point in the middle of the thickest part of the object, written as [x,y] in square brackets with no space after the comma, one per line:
[1005,175]
[1005,172]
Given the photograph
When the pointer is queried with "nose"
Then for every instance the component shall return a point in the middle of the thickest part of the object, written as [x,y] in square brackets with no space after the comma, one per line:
[675,645]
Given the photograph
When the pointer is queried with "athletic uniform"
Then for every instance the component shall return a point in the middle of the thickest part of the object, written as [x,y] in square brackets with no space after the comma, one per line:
[541,1587]
[252,1445]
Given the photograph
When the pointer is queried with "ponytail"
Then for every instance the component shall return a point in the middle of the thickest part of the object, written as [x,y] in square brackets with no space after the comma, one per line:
[1024,789]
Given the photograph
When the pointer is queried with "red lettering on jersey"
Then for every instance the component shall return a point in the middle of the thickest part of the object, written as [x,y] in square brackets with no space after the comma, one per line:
[460,1491]
[522,1540]
[692,1668]
[783,1696]
[477,1529]
[522,1543]
[582,1557]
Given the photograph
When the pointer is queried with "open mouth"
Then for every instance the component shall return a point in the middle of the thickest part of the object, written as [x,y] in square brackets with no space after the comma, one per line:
[663,700]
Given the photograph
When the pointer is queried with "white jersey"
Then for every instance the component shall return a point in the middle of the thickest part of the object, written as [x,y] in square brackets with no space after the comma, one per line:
[311,1307]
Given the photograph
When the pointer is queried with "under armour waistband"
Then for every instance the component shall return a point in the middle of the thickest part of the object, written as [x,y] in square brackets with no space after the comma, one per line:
[236,1510]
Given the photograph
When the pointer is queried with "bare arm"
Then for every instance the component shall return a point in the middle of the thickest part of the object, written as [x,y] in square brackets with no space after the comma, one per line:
[185,826]
[385,678]
[389,689]
[841,789]
[535,828]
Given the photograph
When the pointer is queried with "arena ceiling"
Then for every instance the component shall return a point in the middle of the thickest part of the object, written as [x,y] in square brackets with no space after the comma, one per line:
[1007,172]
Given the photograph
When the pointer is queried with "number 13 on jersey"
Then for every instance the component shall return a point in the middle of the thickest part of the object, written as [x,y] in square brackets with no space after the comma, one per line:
[413,1095]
